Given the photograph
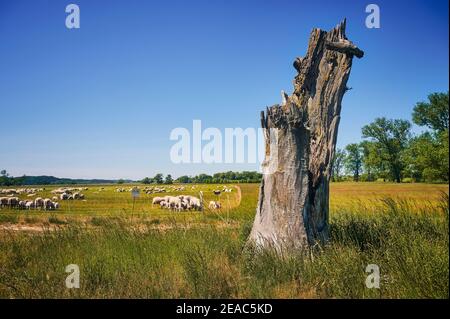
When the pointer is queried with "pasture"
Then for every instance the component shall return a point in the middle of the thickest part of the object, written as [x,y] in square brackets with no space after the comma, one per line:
[140,250]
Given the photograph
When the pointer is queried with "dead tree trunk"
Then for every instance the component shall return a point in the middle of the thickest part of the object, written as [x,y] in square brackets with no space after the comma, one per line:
[293,200]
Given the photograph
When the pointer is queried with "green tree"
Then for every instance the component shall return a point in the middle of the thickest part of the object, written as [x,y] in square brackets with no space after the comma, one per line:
[120,181]
[427,157]
[391,138]
[184,179]
[353,160]
[434,113]
[4,179]
[168,179]
[371,160]
[146,180]
[203,178]
[336,165]
[428,153]
[158,179]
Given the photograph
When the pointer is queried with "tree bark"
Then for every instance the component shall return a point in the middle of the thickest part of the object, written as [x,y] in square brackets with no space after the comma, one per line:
[294,197]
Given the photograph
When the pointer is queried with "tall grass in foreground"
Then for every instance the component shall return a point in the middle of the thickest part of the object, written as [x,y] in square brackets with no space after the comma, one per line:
[411,248]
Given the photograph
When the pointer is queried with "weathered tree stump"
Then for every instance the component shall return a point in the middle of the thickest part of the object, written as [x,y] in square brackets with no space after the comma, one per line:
[293,200]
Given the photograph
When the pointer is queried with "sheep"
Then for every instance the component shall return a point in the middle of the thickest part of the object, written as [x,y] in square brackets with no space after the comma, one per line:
[38,202]
[47,204]
[195,203]
[174,203]
[178,203]
[157,200]
[29,205]
[13,201]
[186,198]
[3,201]
[22,204]
[216,192]
[214,205]
[51,206]
[185,204]
[69,196]
[164,204]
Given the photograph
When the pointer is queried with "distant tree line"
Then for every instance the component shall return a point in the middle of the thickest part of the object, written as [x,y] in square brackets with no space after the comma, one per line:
[389,151]
[225,177]
[7,180]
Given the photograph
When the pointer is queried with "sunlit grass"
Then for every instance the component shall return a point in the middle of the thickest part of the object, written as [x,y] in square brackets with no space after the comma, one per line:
[153,255]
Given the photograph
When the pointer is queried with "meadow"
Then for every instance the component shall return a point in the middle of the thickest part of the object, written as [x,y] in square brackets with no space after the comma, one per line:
[139,251]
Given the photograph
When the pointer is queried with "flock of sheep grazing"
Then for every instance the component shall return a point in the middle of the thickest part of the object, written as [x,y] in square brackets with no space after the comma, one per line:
[12,201]
[38,203]
[69,193]
[154,190]
[183,202]
[224,190]
[175,203]
[19,191]
[178,203]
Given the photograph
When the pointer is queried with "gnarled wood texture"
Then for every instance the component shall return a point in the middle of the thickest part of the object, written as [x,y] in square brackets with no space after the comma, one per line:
[293,200]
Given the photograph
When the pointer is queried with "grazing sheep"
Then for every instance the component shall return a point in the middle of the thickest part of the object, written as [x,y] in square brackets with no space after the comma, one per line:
[214,205]
[178,203]
[185,204]
[47,204]
[29,205]
[163,204]
[22,204]
[174,203]
[38,202]
[3,201]
[13,201]
[157,200]
[195,203]
[216,192]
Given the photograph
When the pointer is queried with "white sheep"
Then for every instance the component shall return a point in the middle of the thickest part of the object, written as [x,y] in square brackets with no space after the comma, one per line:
[157,200]
[214,205]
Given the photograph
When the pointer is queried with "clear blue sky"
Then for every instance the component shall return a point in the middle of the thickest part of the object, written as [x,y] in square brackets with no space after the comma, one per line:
[101,101]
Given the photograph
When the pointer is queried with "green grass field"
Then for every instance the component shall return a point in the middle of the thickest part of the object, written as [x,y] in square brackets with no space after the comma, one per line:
[147,252]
